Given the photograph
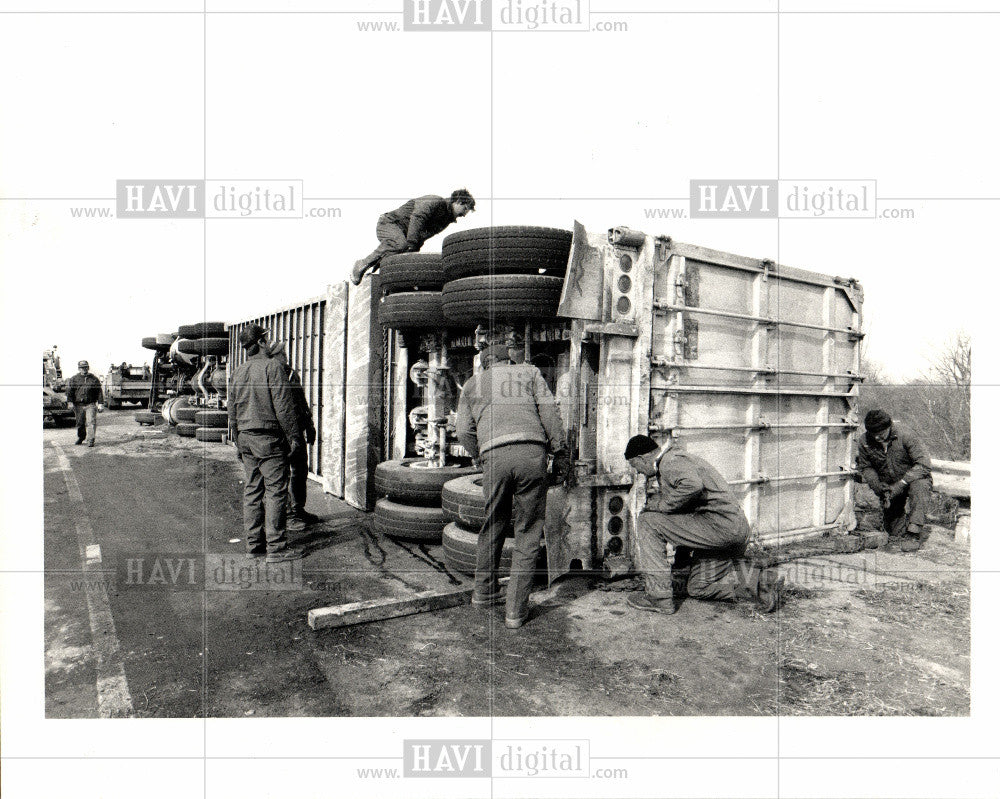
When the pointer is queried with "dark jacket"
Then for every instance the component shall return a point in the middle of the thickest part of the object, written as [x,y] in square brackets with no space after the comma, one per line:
[904,458]
[508,404]
[302,412]
[84,389]
[422,218]
[261,397]
[689,484]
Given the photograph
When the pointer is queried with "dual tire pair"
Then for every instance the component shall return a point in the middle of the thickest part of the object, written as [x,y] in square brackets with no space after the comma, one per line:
[483,275]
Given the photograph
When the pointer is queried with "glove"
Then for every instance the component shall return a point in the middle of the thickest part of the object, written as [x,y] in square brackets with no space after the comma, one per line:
[100,408]
[881,490]
[895,490]
[311,435]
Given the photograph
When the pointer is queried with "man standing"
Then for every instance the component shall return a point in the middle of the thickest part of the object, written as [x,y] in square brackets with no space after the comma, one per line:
[298,517]
[409,226]
[693,508]
[895,465]
[507,418]
[84,393]
[263,423]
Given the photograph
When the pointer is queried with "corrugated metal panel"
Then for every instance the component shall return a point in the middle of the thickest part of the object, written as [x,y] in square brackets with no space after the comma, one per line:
[756,368]
[300,327]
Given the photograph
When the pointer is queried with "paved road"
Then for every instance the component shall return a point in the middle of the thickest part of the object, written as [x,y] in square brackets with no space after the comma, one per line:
[876,632]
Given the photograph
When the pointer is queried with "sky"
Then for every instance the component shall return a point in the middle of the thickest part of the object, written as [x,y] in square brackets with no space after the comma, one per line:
[605,136]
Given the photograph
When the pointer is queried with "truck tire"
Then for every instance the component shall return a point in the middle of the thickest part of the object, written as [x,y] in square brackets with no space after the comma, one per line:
[187,429]
[154,343]
[410,481]
[411,309]
[202,330]
[203,346]
[508,249]
[463,502]
[411,271]
[186,413]
[148,418]
[460,550]
[215,435]
[408,522]
[212,417]
[474,300]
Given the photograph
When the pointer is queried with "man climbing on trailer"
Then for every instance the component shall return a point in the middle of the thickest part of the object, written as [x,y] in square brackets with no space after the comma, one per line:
[895,465]
[693,508]
[409,226]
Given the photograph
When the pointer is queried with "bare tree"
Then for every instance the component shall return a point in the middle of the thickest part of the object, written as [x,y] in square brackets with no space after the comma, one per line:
[936,405]
[946,398]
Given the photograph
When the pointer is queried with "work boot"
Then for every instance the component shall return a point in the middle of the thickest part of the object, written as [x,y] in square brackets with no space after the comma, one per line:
[874,539]
[921,531]
[288,553]
[514,624]
[910,543]
[307,517]
[640,600]
[769,588]
[255,555]
[295,524]
[358,272]
[79,441]
[90,443]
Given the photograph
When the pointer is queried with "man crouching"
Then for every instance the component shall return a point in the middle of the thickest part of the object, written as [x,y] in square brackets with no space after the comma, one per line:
[694,508]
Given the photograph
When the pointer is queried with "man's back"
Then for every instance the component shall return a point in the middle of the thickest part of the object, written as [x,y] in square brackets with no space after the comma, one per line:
[690,484]
[260,397]
[422,217]
[508,403]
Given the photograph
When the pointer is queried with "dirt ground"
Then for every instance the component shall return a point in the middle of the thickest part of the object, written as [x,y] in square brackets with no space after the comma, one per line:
[872,633]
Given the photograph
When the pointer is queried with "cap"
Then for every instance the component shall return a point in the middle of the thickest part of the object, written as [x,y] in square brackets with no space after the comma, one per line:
[877,421]
[639,445]
[83,363]
[251,334]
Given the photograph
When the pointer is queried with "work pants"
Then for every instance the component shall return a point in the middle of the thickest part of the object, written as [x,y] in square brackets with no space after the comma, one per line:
[392,240]
[896,518]
[265,493]
[298,467]
[515,483]
[86,421]
[717,545]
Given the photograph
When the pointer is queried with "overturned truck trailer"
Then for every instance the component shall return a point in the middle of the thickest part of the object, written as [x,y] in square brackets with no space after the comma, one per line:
[753,365]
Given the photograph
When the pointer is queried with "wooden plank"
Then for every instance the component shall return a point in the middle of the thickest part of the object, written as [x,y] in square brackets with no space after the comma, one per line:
[952,485]
[387,608]
[951,467]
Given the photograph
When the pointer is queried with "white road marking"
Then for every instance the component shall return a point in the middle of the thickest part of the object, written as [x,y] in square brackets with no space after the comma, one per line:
[113,697]
[93,554]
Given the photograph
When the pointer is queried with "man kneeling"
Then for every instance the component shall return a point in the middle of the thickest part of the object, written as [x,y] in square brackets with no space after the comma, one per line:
[693,508]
